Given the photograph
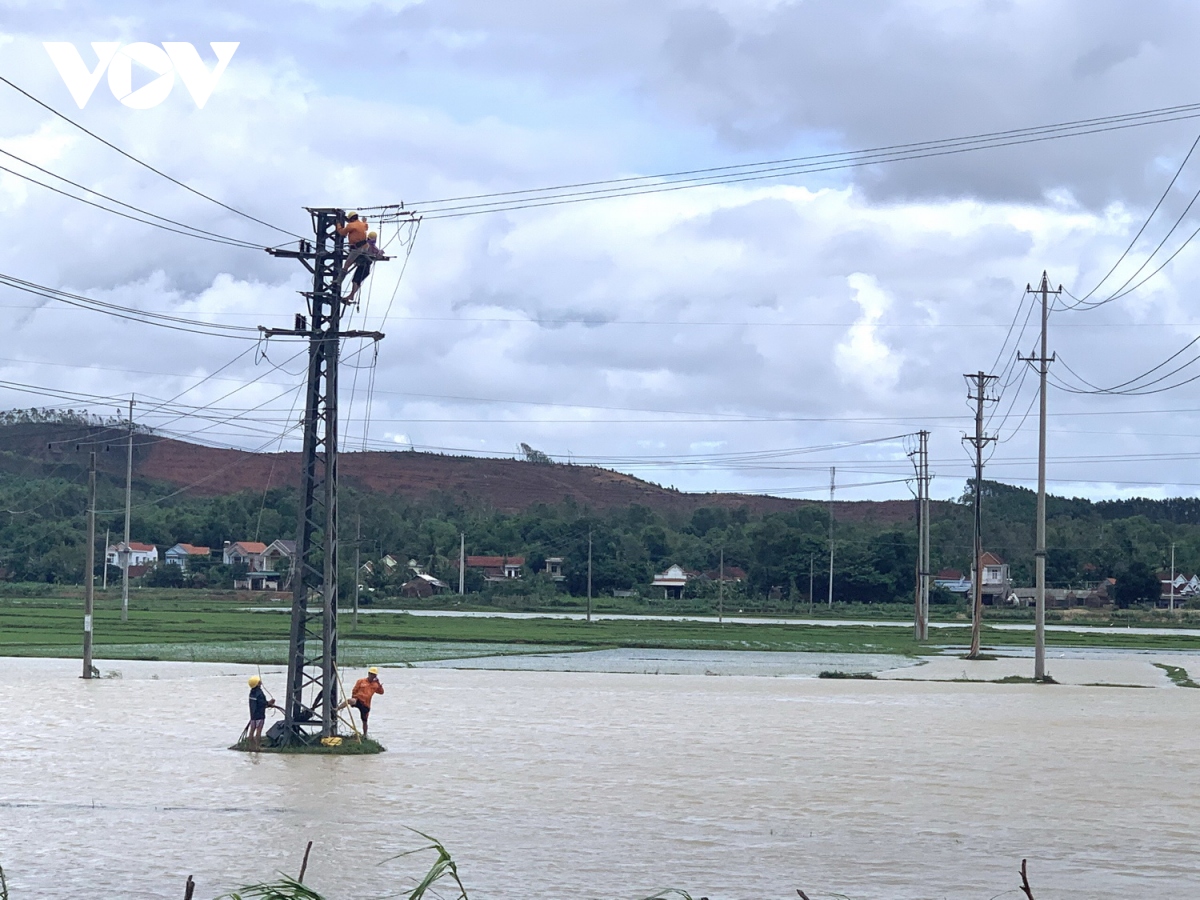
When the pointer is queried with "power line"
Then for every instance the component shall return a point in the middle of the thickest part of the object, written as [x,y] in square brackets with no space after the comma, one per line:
[1082,300]
[478,204]
[192,231]
[142,163]
[175,323]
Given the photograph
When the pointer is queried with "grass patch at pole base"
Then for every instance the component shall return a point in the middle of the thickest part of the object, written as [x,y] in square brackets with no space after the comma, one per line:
[834,673]
[349,746]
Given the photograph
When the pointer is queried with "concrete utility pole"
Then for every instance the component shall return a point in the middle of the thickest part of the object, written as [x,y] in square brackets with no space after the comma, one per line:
[589,606]
[312,647]
[927,575]
[1039,554]
[811,558]
[921,602]
[721,590]
[832,476]
[1172,606]
[107,537]
[462,563]
[977,391]
[124,555]
[357,566]
[89,580]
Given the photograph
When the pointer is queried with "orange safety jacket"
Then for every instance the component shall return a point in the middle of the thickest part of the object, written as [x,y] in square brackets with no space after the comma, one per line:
[355,232]
[364,690]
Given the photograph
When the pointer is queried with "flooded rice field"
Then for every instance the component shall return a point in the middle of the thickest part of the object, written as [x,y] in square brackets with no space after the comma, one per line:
[551,784]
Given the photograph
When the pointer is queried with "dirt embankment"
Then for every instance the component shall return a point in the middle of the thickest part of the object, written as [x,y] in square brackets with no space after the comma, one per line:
[508,485]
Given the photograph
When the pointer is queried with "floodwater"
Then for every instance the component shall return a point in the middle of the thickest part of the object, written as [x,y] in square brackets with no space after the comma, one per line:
[767,620]
[594,785]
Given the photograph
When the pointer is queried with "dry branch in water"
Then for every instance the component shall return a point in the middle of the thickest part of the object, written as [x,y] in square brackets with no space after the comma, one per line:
[1025,881]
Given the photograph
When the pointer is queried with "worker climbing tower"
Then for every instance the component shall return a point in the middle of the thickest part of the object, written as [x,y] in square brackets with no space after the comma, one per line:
[312,685]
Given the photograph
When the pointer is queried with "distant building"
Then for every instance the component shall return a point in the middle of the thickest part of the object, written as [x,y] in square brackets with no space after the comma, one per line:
[554,568]
[257,581]
[733,574]
[180,554]
[997,586]
[277,557]
[246,553]
[953,581]
[672,581]
[497,568]
[423,585]
[140,555]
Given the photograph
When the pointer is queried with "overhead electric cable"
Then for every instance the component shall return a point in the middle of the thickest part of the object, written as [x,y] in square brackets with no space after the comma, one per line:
[198,232]
[637,185]
[142,163]
[1145,225]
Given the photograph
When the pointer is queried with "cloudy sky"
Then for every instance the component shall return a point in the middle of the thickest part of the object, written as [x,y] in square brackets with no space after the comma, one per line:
[735,336]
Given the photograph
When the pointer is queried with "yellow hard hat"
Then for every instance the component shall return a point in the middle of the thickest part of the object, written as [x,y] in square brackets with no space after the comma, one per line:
[372,234]
[254,681]
[372,671]
[351,215]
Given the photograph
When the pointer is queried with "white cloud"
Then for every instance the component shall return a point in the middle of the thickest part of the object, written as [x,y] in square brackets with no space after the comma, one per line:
[861,356]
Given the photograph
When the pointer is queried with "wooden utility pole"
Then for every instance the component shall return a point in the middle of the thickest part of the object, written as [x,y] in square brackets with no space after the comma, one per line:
[589,605]
[832,478]
[124,555]
[462,563]
[89,580]
[1043,361]
[978,384]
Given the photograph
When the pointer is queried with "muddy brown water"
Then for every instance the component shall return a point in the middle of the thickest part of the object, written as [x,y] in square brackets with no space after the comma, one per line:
[558,785]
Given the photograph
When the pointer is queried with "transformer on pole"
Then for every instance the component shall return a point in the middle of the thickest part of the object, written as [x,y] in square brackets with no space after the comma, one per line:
[312,684]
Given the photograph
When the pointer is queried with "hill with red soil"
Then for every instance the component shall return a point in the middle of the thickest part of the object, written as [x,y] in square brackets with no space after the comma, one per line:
[508,485]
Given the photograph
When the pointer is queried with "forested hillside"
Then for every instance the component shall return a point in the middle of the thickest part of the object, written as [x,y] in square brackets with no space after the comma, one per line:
[42,528]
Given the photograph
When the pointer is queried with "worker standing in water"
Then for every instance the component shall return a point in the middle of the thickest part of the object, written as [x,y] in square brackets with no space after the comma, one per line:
[258,712]
[364,690]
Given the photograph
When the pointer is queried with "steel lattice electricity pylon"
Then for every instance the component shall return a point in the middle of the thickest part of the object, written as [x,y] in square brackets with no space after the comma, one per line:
[312,689]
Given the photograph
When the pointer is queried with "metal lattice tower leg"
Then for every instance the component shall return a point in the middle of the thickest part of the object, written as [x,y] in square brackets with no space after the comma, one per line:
[312,650]
[312,688]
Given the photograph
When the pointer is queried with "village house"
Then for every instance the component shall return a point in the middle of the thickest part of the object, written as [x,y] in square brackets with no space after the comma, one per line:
[997,586]
[673,581]
[497,568]
[181,553]
[953,581]
[733,575]
[245,553]
[277,557]
[141,556]
[554,568]
[423,585]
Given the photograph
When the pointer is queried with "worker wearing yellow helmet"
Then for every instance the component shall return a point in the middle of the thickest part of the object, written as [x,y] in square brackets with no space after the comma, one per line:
[258,712]
[361,259]
[364,690]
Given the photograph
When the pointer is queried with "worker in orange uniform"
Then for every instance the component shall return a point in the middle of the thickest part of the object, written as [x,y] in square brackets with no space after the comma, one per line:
[364,690]
[354,230]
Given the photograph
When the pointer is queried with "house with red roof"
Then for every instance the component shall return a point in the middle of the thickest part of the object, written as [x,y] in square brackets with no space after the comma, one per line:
[497,568]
